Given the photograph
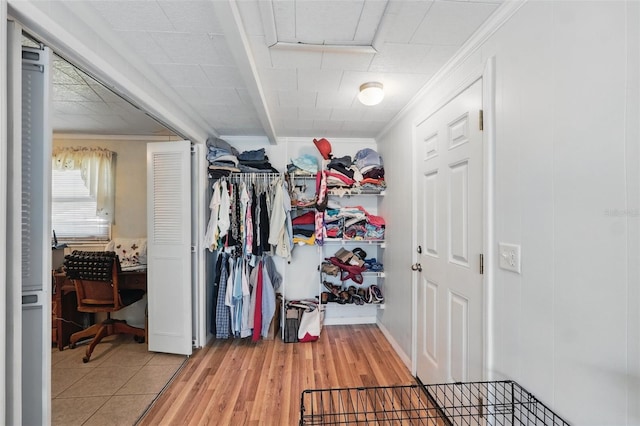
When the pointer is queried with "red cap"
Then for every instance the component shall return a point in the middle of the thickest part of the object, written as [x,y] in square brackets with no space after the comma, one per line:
[324,146]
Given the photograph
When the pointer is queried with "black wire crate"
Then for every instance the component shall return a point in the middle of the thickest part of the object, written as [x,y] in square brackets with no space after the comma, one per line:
[474,403]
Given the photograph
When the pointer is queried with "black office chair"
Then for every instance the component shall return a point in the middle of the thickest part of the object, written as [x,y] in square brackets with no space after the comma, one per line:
[95,276]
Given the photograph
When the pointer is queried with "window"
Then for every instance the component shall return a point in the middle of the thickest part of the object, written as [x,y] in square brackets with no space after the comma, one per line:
[83,194]
[73,209]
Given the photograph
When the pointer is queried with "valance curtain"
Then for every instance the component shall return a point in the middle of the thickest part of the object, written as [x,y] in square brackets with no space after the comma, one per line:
[97,171]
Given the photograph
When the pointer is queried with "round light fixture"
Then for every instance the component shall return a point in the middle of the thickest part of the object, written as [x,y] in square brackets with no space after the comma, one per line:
[371,93]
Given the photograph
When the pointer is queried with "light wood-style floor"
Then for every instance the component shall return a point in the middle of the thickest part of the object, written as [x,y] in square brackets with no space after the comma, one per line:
[237,382]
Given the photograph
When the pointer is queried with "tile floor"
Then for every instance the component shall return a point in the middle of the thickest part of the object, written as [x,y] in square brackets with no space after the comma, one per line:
[114,388]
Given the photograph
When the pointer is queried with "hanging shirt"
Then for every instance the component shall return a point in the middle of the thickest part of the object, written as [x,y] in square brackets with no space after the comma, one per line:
[248,226]
[223,212]
[223,318]
[257,314]
[245,328]
[211,235]
[278,228]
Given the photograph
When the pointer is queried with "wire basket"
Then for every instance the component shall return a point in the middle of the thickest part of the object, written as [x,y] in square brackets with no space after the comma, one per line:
[474,403]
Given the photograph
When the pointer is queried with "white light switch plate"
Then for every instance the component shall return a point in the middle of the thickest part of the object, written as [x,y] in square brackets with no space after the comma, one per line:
[509,255]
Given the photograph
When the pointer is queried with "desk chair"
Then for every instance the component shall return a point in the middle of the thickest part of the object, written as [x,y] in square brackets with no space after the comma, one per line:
[95,276]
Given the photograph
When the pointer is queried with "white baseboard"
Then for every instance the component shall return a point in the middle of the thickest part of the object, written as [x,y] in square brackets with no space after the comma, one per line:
[396,347]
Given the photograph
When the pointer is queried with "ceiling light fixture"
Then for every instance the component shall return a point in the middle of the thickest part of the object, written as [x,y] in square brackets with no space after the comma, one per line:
[371,93]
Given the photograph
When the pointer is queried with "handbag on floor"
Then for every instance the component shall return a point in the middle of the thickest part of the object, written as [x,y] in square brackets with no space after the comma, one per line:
[310,325]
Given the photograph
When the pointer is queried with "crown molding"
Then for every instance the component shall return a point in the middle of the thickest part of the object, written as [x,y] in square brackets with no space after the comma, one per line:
[495,21]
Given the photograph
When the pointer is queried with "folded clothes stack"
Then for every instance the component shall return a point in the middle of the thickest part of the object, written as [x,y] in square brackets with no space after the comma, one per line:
[353,223]
[305,165]
[364,171]
[303,227]
[222,158]
[255,161]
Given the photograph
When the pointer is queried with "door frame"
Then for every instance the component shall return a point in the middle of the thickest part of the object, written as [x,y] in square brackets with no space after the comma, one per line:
[29,18]
[487,75]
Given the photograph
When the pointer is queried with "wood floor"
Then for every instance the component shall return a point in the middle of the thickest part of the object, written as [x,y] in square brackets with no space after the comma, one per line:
[237,382]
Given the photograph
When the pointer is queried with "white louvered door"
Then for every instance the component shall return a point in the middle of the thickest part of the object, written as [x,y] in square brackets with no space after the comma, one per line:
[169,247]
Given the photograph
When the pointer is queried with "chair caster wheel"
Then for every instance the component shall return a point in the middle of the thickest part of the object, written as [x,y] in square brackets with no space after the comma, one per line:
[85,359]
[72,345]
[138,339]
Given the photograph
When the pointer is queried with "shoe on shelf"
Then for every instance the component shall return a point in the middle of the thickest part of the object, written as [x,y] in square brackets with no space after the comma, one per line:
[376,294]
[334,289]
[345,297]
[362,292]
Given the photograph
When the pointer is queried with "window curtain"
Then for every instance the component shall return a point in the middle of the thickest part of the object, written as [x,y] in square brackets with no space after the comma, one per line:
[97,171]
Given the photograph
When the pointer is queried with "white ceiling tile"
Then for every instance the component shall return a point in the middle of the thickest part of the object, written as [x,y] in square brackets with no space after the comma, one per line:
[336,99]
[271,98]
[287,112]
[210,96]
[142,43]
[327,125]
[66,74]
[363,128]
[251,17]
[105,94]
[285,19]
[74,93]
[226,118]
[347,61]
[260,52]
[399,58]
[178,75]
[224,53]
[379,114]
[319,80]
[80,108]
[452,23]
[437,57]
[346,114]
[281,58]
[404,20]
[191,15]
[76,123]
[187,48]
[340,18]
[223,76]
[370,19]
[298,124]
[314,113]
[278,79]
[128,15]
[245,96]
[297,99]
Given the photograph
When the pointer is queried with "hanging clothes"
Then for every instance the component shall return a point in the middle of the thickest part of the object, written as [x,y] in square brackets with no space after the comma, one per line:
[250,220]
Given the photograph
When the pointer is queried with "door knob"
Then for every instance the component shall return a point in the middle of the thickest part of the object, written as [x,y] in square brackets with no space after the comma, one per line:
[416,267]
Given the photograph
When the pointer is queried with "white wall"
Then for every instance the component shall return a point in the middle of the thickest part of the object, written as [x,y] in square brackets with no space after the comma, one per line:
[567,191]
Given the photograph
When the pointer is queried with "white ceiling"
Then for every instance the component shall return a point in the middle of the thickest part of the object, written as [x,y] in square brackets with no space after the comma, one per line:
[277,68]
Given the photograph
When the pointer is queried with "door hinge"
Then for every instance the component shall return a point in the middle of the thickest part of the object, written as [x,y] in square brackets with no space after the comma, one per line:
[481,264]
[481,120]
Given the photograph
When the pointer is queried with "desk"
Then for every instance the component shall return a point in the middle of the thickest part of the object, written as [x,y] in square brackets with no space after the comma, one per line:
[66,320]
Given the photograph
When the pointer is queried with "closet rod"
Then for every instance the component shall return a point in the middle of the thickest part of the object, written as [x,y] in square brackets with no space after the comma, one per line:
[241,176]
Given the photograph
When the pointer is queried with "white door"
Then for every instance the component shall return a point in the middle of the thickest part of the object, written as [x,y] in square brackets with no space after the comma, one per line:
[27,325]
[169,247]
[450,192]
[35,235]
